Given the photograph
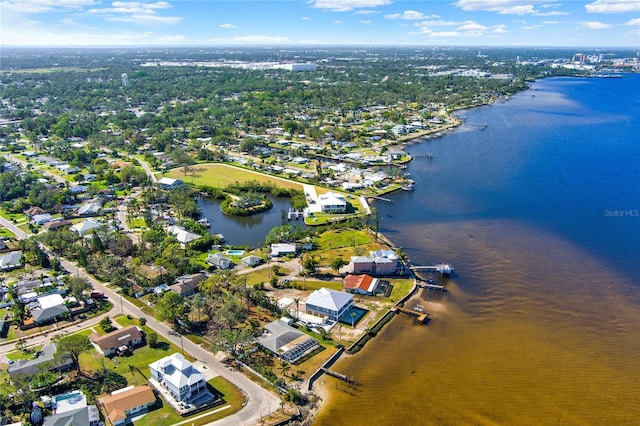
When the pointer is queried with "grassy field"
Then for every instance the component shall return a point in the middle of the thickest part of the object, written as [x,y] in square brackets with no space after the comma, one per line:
[221,175]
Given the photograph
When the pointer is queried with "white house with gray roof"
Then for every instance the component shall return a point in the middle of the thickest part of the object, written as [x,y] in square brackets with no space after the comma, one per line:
[179,377]
[327,303]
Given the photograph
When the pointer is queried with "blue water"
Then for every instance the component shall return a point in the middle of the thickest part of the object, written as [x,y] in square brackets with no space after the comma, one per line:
[539,215]
[562,158]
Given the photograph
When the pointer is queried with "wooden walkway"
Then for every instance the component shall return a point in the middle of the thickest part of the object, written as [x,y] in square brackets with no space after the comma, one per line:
[421,316]
[339,376]
[428,286]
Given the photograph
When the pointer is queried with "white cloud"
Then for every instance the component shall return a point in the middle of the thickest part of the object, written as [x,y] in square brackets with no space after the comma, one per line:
[337,22]
[366,12]
[504,7]
[410,15]
[304,18]
[261,39]
[365,21]
[136,12]
[228,26]
[472,26]
[594,25]
[26,7]
[613,6]
[462,29]
[348,5]
[633,22]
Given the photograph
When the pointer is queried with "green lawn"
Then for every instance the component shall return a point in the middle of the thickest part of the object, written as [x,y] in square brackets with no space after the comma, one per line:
[232,396]
[221,175]
[18,355]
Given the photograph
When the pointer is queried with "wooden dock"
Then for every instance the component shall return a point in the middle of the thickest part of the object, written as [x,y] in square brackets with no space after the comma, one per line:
[441,268]
[339,376]
[418,314]
[429,286]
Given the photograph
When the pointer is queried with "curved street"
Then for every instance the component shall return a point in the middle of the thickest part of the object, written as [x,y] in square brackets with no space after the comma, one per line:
[259,401]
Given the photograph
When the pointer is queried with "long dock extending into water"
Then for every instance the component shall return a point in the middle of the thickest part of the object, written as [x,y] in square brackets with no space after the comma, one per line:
[339,376]
[430,286]
[417,313]
[441,268]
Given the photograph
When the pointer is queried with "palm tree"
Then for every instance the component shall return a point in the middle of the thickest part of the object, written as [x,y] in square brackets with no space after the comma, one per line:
[297,301]
[133,373]
[284,367]
[353,317]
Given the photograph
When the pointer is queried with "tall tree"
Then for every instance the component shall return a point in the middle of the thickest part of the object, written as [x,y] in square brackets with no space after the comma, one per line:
[73,346]
[171,307]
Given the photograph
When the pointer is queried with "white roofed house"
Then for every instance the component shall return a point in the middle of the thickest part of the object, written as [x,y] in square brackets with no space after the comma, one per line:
[327,303]
[332,202]
[169,183]
[182,235]
[283,249]
[83,228]
[50,307]
[181,379]
[89,209]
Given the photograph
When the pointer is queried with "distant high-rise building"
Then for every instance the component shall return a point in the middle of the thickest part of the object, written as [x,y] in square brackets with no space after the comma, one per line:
[125,79]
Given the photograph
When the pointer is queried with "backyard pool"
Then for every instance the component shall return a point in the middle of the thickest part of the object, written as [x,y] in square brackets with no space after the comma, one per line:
[234,252]
[354,315]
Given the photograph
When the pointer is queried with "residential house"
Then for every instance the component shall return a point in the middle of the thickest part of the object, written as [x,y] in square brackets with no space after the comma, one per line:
[287,342]
[327,303]
[89,209]
[251,260]
[50,307]
[182,235]
[169,183]
[180,378]
[45,360]
[32,211]
[11,260]
[187,285]
[41,219]
[56,224]
[109,344]
[379,262]
[219,261]
[85,227]
[88,415]
[361,284]
[123,404]
[332,202]
[361,265]
[283,249]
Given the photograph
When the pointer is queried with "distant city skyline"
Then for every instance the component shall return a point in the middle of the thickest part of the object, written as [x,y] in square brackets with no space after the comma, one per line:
[552,23]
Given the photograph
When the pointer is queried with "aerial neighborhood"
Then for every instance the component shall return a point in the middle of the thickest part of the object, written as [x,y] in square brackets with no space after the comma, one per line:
[124,301]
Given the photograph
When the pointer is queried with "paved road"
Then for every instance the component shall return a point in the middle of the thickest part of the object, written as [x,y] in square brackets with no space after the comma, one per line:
[260,402]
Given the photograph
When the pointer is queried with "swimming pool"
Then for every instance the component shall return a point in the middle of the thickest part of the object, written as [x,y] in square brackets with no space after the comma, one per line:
[234,252]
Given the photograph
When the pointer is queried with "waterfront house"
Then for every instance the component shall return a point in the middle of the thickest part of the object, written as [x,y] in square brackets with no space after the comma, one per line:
[182,235]
[180,378]
[121,405]
[327,303]
[109,344]
[360,265]
[45,360]
[169,183]
[379,262]
[332,202]
[361,284]
[283,249]
[287,342]
[251,260]
[219,261]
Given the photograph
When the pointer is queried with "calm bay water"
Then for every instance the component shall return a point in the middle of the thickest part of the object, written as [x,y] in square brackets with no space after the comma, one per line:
[540,214]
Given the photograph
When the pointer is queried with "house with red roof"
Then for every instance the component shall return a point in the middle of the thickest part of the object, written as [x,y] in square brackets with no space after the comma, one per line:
[361,284]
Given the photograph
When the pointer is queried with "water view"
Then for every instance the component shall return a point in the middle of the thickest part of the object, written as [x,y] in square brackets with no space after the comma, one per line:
[539,214]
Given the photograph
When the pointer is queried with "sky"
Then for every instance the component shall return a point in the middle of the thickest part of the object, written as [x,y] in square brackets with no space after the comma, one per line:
[571,23]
